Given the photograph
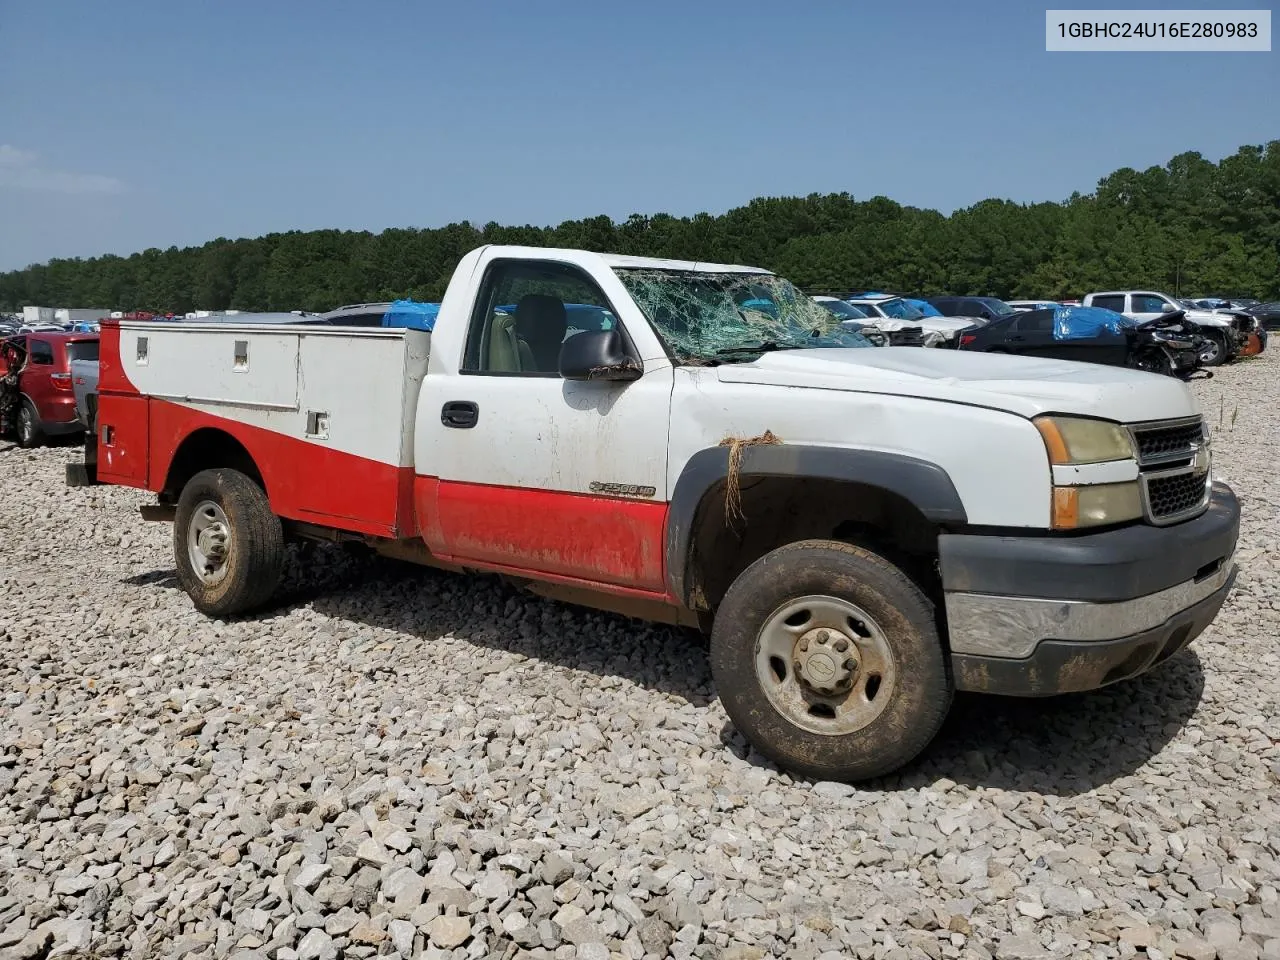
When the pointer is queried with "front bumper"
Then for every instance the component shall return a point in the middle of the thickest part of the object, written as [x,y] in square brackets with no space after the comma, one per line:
[1035,616]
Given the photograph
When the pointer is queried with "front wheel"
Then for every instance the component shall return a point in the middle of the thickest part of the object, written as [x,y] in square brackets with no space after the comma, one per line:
[227,544]
[827,659]
[1213,352]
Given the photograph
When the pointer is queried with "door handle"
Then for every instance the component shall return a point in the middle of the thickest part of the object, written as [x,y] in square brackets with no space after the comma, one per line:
[1017,339]
[460,413]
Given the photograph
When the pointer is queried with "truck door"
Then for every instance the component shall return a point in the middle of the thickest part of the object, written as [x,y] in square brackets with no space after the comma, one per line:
[1146,306]
[537,473]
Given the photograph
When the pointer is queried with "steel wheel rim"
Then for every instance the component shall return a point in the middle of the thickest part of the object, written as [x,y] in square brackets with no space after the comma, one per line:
[1210,351]
[808,679]
[209,542]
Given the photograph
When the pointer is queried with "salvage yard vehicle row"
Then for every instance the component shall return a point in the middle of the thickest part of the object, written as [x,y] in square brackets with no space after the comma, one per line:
[861,530]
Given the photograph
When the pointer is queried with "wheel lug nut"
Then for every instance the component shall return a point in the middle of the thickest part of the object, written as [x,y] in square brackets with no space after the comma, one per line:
[842,645]
[850,664]
[824,637]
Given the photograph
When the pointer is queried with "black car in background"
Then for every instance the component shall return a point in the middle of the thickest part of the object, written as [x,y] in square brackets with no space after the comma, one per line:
[982,308]
[1268,314]
[1168,344]
[1030,334]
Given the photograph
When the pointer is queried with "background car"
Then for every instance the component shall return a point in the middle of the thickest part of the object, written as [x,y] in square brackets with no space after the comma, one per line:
[855,319]
[48,398]
[982,309]
[1032,333]
[891,314]
[1267,314]
[357,315]
[1023,305]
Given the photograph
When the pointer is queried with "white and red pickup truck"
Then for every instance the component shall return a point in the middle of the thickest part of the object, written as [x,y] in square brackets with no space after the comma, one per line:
[861,531]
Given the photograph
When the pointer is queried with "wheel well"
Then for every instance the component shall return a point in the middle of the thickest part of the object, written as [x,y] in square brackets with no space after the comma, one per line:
[780,510]
[205,449]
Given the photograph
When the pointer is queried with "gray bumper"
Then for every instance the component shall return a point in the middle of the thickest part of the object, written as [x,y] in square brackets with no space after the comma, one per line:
[1043,615]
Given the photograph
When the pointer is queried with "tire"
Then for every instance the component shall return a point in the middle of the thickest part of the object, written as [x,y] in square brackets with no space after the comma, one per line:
[242,547]
[28,426]
[897,648]
[1214,351]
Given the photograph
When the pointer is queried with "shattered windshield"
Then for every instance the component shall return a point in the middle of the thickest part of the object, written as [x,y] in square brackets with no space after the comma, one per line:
[900,310]
[711,317]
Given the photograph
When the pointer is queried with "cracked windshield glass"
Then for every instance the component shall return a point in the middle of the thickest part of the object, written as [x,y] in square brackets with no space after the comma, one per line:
[723,317]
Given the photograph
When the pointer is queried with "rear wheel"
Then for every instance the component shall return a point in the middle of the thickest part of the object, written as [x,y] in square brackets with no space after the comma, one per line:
[29,432]
[827,659]
[228,545]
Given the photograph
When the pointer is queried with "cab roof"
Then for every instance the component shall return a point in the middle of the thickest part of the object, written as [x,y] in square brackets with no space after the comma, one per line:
[623,262]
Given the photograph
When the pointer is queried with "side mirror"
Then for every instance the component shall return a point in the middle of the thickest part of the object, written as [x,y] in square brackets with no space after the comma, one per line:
[1167,307]
[598,355]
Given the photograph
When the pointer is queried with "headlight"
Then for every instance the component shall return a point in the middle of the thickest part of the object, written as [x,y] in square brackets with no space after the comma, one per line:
[1096,505]
[1075,440]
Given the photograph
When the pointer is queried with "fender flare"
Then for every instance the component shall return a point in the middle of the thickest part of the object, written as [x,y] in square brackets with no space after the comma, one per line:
[925,485]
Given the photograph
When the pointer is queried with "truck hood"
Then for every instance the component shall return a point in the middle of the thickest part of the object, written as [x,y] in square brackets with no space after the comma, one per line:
[1208,318]
[1021,385]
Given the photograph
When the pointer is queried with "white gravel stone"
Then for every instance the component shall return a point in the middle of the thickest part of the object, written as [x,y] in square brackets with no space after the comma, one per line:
[394,752]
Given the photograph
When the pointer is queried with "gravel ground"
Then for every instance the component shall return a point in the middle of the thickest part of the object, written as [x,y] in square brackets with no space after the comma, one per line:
[401,762]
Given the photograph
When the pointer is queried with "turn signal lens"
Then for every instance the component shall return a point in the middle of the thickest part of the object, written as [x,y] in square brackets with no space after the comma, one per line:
[1075,440]
[1096,505]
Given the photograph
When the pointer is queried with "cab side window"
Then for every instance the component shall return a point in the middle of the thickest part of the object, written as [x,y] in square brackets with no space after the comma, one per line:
[1115,303]
[526,309]
[1145,303]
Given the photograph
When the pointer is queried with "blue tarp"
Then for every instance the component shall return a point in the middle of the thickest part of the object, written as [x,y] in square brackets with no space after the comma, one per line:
[1083,323]
[411,314]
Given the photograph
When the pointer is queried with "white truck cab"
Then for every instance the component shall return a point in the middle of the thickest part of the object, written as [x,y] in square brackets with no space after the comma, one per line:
[861,531]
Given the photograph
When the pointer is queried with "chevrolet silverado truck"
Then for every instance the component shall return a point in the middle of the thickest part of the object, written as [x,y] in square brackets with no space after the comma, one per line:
[860,531]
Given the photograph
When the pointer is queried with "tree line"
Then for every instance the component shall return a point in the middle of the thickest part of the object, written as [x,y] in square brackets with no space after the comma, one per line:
[1189,227]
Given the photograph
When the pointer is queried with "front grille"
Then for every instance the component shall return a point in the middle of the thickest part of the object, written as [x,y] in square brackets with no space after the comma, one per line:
[1173,466]
[1172,496]
[1161,444]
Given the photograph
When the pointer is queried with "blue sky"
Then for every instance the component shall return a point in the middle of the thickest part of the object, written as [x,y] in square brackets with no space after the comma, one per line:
[136,123]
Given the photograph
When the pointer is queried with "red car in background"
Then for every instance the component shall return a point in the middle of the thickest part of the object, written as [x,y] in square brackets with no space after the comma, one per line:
[48,402]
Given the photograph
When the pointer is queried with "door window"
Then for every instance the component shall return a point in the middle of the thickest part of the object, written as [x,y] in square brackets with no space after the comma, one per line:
[1146,303]
[42,352]
[1035,321]
[82,350]
[1115,303]
[526,309]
